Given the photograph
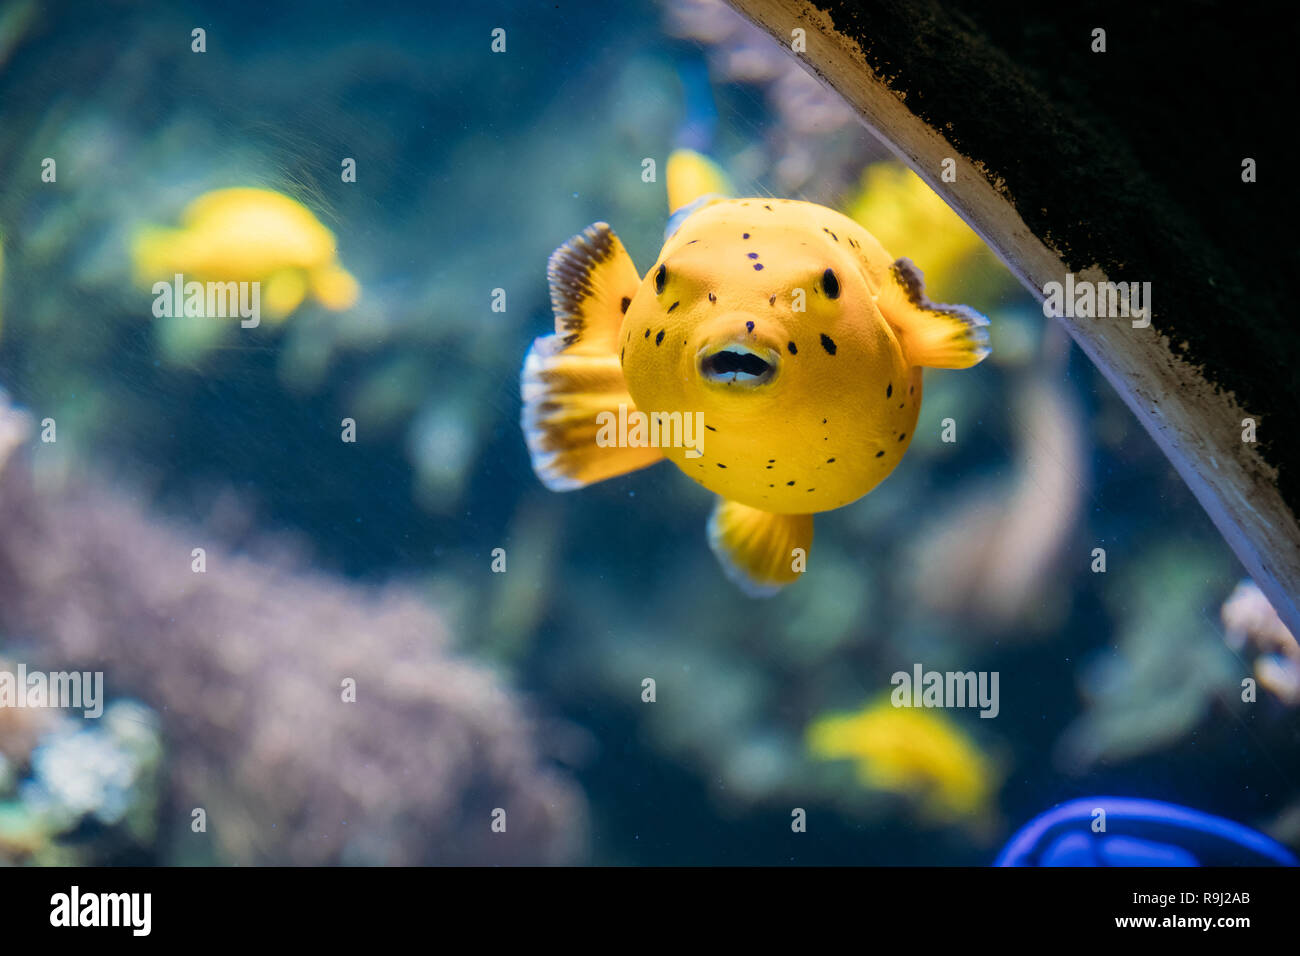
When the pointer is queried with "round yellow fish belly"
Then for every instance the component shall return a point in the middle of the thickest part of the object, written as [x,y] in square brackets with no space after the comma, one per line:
[799,396]
[799,461]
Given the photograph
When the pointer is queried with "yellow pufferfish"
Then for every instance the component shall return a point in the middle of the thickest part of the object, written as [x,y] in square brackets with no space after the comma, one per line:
[249,235]
[786,324]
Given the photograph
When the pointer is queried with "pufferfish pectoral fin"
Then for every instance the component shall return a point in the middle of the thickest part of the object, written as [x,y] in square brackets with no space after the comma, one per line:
[571,378]
[761,552]
[932,335]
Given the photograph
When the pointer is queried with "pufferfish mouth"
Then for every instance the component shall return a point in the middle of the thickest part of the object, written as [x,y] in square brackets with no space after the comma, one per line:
[738,364]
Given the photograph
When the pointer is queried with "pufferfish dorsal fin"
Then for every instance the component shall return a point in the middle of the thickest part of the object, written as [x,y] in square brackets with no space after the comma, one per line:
[931,334]
[592,281]
[757,548]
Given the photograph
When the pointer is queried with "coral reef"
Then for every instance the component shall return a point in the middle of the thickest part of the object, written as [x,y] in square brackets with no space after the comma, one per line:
[1167,670]
[244,662]
[91,797]
[816,147]
[1249,621]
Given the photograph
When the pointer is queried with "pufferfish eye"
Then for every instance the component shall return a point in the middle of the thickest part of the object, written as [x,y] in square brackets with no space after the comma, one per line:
[830,284]
[660,276]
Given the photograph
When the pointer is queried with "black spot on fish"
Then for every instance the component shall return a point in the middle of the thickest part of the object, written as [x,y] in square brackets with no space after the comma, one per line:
[710,428]
[830,284]
[721,465]
[902,436]
[660,276]
[823,421]
[753,255]
[758,267]
[692,242]
[790,346]
[768,208]
[620,354]
[771,461]
[830,461]
[771,486]
[749,326]
[660,337]
[626,302]
[812,489]
[771,300]
[788,483]
[673,306]
[712,297]
[880,454]
[767,468]
[744,235]
[901,404]
[911,389]
[889,390]
[828,344]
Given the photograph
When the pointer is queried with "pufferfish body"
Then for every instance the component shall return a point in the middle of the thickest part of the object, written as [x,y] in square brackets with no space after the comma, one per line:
[782,326]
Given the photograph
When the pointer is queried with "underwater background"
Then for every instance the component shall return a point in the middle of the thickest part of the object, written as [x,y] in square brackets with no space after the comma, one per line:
[373,560]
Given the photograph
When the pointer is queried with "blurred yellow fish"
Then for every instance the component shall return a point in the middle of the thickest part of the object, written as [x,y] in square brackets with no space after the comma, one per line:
[249,235]
[780,331]
[901,210]
[912,751]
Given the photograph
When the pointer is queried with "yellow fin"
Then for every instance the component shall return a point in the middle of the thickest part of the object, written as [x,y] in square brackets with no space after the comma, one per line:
[564,390]
[932,335]
[592,281]
[283,292]
[756,548]
[692,175]
[334,287]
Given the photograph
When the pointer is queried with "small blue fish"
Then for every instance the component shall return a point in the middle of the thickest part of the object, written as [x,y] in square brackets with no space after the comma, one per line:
[1138,833]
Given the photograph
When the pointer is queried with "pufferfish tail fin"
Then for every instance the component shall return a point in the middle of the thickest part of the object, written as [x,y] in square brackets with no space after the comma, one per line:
[759,551]
[571,377]
[932,335]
